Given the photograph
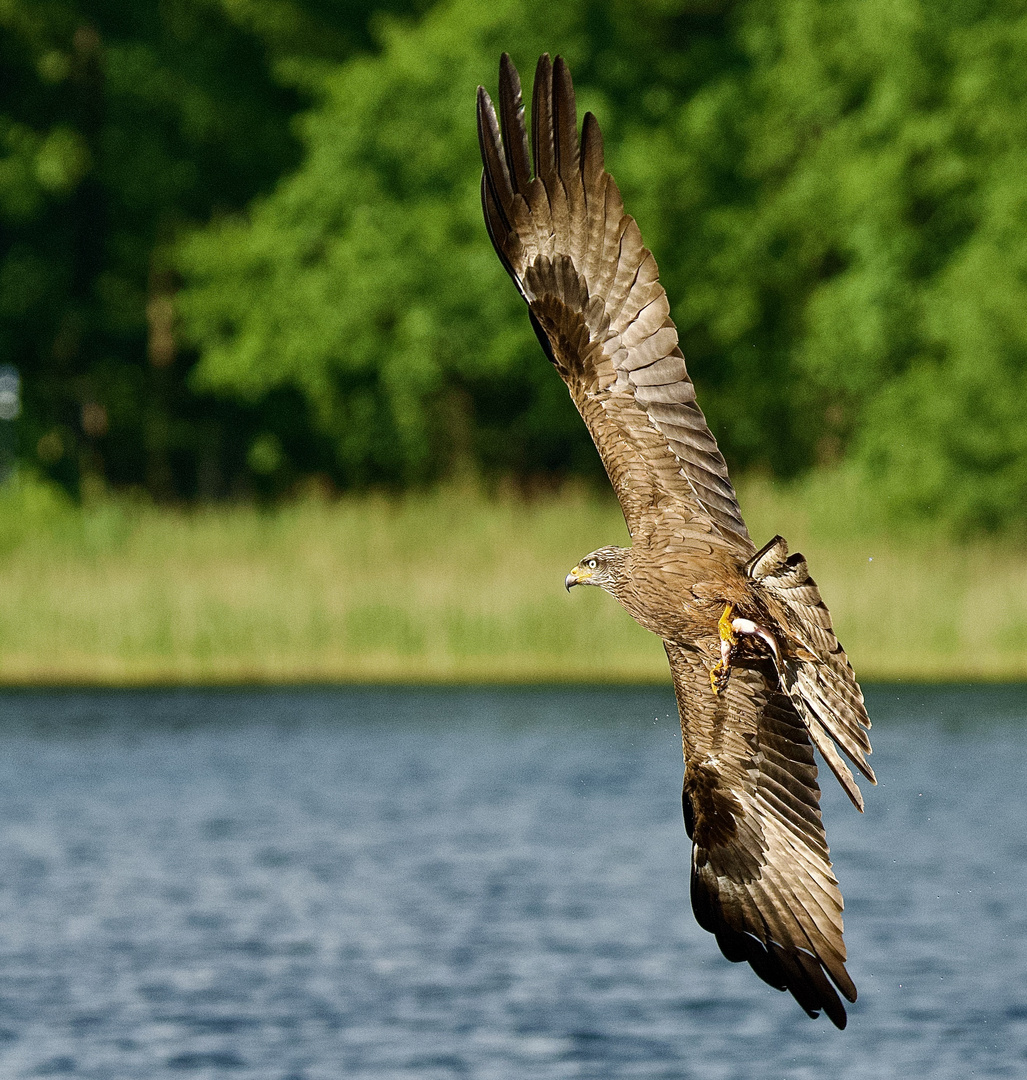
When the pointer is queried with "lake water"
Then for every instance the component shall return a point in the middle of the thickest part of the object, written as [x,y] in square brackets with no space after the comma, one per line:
[483,884]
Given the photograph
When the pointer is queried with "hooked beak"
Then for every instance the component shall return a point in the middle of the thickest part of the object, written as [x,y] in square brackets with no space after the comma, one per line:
[576,577]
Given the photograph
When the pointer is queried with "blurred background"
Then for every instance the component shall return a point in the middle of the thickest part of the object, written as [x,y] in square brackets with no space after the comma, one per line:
[243,263]
[272,413]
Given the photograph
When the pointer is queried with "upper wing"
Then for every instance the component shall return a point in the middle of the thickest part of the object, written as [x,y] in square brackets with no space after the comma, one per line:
[816,673]
[595,301]
[761,870]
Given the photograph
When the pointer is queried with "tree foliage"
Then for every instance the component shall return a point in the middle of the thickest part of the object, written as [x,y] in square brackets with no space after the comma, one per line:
[121,123]
[862,266]
[242,238]
[366,282]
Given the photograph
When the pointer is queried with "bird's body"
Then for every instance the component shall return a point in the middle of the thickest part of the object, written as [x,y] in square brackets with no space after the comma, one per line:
[678,589]
[759,675]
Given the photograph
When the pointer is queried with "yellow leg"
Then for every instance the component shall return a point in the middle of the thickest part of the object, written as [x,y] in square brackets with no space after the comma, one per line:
[724,626]
[721,671]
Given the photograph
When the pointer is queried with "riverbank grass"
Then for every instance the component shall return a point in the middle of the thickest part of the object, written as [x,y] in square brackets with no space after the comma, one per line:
[451,585]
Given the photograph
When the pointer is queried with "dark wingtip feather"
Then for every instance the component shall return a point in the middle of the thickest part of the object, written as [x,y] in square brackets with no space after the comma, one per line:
[490,142]
[543,151]
[565,118]
[483,108]
[593,164]
[801,974]
[515,136]
[494,224]
[823,993]
[486,117]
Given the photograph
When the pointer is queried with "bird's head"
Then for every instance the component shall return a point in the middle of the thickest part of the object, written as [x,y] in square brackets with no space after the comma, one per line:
[605,567]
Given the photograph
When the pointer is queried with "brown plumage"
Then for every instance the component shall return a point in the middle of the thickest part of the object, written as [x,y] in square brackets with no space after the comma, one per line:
[759,675]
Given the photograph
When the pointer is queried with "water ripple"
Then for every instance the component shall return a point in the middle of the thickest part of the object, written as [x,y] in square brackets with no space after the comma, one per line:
[380,885]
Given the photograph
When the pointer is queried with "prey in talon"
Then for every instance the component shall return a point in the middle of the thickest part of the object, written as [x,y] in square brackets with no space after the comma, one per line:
[730,627]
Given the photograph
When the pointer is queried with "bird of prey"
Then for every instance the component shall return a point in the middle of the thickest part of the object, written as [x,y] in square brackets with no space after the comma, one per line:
[759,675]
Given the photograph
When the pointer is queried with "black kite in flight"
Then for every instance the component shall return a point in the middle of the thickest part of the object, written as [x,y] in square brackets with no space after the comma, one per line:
[759,675]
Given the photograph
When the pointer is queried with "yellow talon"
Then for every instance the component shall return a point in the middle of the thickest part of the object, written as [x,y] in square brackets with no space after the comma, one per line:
[721,671]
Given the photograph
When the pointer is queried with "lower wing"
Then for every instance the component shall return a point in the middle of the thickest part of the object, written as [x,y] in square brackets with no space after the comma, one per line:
[761,877]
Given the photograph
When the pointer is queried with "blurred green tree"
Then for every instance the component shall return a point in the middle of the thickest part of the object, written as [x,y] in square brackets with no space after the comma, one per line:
[121,122]
[832,191]
[241,239]
[849,227]
[366,280]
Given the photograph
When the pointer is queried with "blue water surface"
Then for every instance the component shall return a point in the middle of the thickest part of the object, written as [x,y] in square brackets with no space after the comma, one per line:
[433,884]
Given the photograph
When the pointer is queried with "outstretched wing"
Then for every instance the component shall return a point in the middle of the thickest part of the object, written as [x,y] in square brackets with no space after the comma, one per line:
[761,871]
[557,221]
[815,673]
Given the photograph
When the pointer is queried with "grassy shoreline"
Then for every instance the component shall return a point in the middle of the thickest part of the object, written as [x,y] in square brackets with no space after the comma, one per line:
[451,587]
